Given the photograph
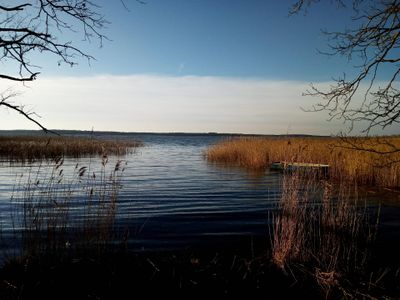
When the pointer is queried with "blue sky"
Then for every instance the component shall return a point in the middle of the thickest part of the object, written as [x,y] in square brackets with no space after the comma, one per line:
[193,66]
[232,38]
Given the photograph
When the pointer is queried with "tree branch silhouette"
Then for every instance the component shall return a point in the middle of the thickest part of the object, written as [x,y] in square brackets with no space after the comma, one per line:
[38,26]
[373,45]
[5,101]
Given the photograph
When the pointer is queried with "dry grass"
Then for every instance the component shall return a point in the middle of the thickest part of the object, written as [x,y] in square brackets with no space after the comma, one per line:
[54,213]
[350,165]
[32,148]
[322,233]
[289,225]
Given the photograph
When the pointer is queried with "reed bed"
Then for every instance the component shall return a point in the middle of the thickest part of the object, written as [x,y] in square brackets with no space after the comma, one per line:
[324,234]
[365,161]
[32,148]
[54,213]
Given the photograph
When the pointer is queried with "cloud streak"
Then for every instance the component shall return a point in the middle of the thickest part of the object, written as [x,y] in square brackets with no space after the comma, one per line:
[171,104]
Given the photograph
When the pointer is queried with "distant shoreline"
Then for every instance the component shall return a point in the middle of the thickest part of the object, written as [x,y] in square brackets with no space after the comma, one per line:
[89,132]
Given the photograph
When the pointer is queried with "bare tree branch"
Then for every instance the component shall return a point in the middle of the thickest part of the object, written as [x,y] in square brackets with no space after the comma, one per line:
[41,31]
[38,26]
[374,46]
[15,8]
[5,101]
[30,78]
[380,147]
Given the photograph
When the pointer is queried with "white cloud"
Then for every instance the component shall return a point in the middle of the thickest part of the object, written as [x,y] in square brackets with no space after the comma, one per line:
[166,104]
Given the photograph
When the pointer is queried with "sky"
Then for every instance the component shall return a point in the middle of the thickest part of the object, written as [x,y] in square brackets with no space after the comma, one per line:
[233,66]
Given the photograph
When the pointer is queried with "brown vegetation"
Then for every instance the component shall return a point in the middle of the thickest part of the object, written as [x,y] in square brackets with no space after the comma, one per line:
[54,213]
[323,234]
[377,166]
[32,148]
[320,238]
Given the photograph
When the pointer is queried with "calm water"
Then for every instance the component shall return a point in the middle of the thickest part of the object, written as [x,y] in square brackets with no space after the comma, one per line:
[170,196]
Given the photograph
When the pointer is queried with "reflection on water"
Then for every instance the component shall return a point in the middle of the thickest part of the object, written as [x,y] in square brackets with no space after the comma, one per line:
[170,196]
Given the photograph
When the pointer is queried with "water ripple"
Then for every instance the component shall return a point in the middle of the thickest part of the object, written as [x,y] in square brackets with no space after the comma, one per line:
[169,194]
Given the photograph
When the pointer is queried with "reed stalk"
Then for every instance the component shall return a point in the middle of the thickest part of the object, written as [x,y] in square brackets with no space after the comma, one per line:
[55,213]
[321,230]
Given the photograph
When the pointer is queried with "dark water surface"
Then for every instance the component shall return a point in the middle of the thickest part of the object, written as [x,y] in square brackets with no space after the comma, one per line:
[174,198]
[171,198]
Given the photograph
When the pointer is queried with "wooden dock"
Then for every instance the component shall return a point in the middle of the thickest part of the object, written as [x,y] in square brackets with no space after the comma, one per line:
[321,169]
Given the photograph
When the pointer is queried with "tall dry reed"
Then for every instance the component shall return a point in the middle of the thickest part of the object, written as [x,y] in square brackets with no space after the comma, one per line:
[320,230]
[347,163]
[34,148]
[54,212]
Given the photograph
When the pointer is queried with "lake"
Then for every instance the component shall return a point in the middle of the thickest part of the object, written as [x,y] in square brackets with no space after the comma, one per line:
[171,198]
